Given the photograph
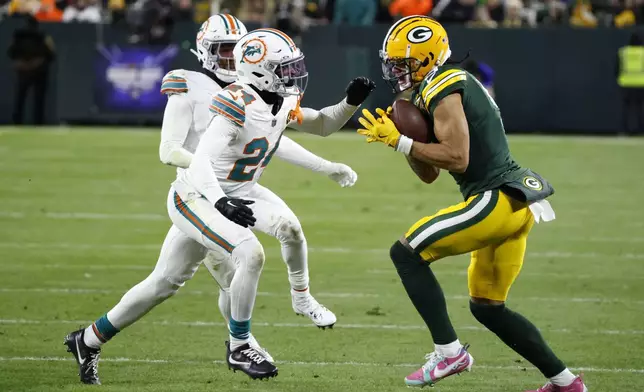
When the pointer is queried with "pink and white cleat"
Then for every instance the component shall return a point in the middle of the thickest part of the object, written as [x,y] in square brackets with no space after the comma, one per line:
[439,367]
[576,386]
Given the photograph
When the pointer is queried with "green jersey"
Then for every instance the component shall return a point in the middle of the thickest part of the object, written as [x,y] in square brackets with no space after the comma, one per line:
[490,165]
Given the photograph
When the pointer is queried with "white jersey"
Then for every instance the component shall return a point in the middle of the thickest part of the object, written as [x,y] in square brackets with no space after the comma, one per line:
[256,137]
[242,137]
[199,89]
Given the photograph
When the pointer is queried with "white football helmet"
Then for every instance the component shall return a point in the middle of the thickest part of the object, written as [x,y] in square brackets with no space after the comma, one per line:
[215,42]
[269,60]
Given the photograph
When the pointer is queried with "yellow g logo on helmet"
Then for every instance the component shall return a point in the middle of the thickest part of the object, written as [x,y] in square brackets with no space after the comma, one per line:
[419,34]
[413,47]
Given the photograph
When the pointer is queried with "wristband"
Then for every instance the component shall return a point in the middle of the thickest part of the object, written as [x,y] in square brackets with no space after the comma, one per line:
[404,145]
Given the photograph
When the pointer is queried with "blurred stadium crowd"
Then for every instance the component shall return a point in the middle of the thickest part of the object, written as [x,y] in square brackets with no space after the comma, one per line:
[298,15]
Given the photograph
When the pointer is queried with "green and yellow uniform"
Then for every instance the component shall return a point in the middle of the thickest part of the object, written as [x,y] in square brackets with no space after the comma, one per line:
[494,220]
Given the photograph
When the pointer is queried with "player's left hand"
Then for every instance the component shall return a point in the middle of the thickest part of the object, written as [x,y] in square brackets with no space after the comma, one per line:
[342,174]
[358,90]
[381,130]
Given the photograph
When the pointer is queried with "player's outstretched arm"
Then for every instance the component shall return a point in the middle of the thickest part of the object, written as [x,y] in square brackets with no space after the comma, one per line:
[177,119]
[331,118]
[291,152]
[219,134]
[452,151]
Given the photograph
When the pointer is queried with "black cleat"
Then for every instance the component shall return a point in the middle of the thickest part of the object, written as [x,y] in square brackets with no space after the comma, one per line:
[86,357]
[250,361]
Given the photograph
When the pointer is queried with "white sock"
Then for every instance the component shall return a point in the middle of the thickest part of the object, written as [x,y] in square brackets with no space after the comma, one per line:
[90,338]
[564,378]
[295,255]
[450,350]
[235,343]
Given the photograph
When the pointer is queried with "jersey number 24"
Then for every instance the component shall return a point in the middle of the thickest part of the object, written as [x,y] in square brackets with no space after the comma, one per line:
[257,148]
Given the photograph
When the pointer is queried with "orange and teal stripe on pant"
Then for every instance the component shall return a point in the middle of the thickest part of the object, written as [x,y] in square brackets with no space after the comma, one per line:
[198,223]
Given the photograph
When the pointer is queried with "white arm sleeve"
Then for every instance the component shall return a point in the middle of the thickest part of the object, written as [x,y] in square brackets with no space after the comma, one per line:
[177,119]
[219,134]
[326,121]
[295,154]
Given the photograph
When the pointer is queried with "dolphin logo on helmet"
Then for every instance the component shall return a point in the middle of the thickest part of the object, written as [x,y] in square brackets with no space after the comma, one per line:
[269,60]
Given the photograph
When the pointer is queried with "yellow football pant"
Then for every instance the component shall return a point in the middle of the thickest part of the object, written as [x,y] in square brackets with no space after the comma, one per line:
[491,225]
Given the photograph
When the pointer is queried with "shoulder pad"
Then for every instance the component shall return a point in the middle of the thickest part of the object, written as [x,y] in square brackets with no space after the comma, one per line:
[444,81]
[230,103]
[174,82]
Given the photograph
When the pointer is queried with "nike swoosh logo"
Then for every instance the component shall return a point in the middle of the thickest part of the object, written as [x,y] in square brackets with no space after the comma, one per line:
[230,204]
[81,360]
[243,364]
[450,368]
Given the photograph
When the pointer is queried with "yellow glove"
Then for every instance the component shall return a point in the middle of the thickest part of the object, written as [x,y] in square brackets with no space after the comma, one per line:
[380,130]
[383,130]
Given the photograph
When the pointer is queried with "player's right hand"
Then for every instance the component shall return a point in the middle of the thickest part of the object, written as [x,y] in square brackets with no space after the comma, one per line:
[379,130]
[358,90]
[236,210]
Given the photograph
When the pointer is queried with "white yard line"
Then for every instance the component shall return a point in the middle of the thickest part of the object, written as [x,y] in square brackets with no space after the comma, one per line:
[96,216]
[77,246]
[368,218]
[463,272]
[53,290]
[90,267]
[340,250]
[633,240]
[384,271]
[306,363]
[392,327]
[9,214]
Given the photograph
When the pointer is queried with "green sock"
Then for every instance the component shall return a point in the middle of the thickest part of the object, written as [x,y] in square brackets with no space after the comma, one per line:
[519,334]
[425,293]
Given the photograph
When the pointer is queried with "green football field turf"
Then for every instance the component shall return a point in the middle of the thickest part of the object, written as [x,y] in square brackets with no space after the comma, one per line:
[82,217]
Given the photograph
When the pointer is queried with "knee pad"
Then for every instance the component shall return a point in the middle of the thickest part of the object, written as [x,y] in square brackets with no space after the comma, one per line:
[486,314]
[289,230]
[250,253]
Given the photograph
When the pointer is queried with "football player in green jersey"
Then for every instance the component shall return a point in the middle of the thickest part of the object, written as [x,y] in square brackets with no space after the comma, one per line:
[502,201]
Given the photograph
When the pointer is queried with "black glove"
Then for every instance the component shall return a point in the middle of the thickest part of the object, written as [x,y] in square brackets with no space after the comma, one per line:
[358,90]
[236,211]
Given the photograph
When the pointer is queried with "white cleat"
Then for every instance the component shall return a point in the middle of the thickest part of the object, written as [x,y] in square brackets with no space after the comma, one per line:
[254,344]
[305,305]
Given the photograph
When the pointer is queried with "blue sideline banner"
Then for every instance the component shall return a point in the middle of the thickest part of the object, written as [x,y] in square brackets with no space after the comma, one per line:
[128,79]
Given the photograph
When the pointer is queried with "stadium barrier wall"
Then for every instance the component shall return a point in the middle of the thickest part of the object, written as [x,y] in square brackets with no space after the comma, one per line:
[547,80]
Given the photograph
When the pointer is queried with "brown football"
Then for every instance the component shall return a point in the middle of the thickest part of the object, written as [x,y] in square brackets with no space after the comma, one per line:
[410,121]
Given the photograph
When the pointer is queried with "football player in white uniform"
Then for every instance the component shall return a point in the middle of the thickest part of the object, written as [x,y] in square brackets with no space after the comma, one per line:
[206,206]
[186,117]
[240,141]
